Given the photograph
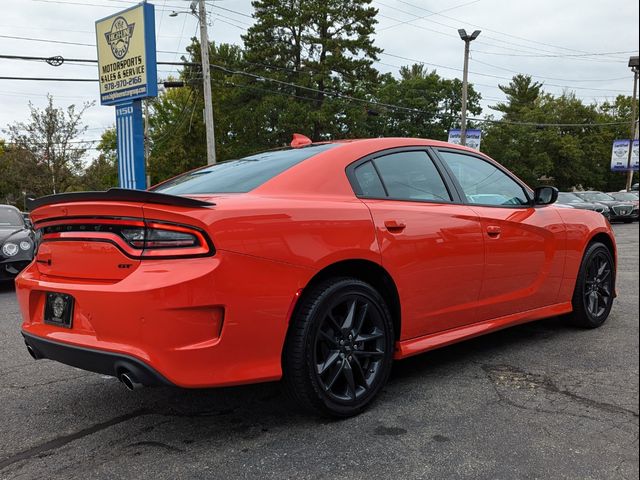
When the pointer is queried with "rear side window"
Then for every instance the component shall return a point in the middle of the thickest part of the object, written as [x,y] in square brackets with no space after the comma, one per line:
[369,181]
[410,176]
[242,175]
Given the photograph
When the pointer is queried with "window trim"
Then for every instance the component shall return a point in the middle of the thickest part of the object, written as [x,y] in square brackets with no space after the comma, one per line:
[444,176]
[458,187]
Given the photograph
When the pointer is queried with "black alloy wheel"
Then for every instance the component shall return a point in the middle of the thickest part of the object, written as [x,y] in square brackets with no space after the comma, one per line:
[349,348]
[340,347]
[598,284]
[595,287]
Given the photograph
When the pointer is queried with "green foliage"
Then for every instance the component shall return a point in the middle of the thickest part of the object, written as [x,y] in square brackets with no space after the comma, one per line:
[43,155]
[102,172]
[566,157]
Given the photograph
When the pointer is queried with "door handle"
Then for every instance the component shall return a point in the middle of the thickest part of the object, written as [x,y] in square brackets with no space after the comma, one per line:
[494,231]
[394,226]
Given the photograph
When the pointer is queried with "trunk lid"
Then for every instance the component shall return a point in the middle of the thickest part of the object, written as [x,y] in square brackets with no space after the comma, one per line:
[80,234]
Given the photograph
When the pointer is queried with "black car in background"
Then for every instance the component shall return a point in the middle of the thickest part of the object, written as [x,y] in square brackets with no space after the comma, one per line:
[573,200]
[16,242]
[618,211]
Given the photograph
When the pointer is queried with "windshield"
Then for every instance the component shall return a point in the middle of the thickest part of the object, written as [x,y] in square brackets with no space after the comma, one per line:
[569,198]
[597,197]
[10,217]
[239,176]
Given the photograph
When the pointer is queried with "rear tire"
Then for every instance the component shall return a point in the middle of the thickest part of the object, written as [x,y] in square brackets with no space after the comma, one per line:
[594,292]
[339,348]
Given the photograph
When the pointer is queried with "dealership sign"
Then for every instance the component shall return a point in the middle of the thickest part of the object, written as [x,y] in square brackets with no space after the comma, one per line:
[473,138]
[127,55]
[127,70]
[620,156]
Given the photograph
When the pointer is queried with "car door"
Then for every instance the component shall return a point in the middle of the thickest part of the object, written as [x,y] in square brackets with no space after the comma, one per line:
[431,246]
[524,243]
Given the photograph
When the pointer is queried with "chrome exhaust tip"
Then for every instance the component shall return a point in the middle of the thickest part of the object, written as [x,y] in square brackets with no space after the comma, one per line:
[128,381]
[32,352]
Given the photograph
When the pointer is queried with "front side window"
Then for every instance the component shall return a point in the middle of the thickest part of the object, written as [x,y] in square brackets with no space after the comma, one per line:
[483,183]
[240,176]
[403,176]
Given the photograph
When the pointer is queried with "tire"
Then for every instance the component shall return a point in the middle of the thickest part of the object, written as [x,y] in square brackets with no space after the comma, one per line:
[328,377]
[594,292]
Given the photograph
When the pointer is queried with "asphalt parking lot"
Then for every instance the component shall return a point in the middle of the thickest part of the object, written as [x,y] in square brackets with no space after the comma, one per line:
[543,400]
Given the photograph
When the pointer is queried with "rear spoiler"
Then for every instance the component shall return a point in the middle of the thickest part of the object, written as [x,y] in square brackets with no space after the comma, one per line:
[118,195]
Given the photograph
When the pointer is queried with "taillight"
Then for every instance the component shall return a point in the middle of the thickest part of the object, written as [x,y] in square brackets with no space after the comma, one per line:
[140,239]
[160,236]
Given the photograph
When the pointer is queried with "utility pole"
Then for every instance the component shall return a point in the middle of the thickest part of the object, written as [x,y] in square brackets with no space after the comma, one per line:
[206,79]
[467,41]
[634,63]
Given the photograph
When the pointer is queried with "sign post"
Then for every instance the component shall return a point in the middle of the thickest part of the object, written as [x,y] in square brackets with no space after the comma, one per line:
[127,67]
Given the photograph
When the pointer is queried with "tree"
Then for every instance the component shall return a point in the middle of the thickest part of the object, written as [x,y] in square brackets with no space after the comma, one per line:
[102,172]
[51,140]
[528,142]
[522,93]
[324,47]
[429,104]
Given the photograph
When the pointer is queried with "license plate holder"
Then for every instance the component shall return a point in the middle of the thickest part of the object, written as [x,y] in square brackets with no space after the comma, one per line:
[58,309]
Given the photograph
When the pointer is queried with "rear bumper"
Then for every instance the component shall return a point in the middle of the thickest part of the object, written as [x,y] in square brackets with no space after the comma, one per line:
[106,363]
[200,322]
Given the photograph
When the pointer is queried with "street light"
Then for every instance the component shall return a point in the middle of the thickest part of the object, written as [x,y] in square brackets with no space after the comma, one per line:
[634,65]
[201,15]
[467,39]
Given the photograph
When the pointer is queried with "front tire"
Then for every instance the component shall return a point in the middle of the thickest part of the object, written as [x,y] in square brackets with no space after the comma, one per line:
[339,349]
[594,291]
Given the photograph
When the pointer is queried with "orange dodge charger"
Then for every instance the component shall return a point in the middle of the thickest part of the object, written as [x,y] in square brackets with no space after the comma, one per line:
[319,264]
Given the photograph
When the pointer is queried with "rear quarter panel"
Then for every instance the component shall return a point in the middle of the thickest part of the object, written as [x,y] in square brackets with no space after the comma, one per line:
[582,227]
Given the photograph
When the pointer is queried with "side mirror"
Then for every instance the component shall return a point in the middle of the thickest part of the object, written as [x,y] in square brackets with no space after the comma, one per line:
[545,195]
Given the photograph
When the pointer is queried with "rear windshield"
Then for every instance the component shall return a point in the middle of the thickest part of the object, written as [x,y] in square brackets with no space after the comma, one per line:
[242,175]
[10,217]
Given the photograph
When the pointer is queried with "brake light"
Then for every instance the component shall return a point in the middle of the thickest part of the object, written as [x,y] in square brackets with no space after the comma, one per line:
[136,238]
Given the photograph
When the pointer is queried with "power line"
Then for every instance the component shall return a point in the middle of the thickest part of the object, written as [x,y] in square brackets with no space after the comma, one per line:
[496,31]
[284,83]
[493,76]
[551,78]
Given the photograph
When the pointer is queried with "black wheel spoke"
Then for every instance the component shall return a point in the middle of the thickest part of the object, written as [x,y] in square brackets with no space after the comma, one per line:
[336,325]
[371,354]
[329,338]
[335,376]
[604,290]
[351,382]
[357,368]
[366,337]
[360,320]
[347,324]
[329,362]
